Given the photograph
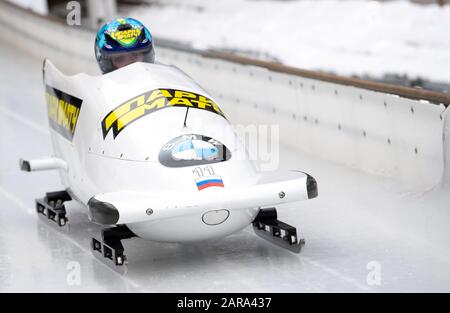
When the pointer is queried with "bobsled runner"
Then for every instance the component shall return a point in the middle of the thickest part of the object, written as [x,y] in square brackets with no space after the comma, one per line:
[150,154]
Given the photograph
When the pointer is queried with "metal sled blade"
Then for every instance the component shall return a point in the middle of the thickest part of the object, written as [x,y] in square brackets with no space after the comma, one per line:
[267,226]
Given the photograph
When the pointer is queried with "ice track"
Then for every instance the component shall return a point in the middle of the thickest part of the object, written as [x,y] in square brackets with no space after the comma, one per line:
[358,220]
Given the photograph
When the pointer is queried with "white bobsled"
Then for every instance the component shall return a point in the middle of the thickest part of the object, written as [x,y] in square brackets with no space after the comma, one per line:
[151,154]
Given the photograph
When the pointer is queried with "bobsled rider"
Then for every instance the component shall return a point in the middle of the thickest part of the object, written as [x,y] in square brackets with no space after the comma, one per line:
[121,42]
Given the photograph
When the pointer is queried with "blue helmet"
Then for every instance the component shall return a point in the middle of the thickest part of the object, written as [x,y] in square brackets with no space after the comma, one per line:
[121,42]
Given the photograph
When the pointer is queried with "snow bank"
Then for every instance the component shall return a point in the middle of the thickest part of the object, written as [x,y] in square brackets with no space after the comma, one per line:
[345,37]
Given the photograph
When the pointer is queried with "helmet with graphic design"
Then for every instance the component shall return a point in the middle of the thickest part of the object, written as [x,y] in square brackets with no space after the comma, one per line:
[121,42]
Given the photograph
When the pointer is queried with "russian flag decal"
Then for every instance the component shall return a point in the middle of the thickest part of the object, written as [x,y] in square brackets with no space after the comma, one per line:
[209,181]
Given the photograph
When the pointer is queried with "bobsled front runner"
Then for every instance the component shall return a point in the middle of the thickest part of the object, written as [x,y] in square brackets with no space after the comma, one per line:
[151,154]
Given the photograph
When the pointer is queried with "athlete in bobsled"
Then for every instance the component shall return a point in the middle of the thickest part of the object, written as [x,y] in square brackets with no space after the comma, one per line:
[123,42]
[151,154]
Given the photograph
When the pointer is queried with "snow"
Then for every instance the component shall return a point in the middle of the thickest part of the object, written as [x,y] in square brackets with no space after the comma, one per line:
[344,37]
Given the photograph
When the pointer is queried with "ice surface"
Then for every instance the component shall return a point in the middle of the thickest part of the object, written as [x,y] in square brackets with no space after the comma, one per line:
[345,37]
[358,219]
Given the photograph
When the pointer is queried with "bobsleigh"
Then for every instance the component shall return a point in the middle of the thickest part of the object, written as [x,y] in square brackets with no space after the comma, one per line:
[151,154]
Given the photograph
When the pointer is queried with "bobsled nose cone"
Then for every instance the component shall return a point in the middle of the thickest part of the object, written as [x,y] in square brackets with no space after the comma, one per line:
[101,212]
[311,187]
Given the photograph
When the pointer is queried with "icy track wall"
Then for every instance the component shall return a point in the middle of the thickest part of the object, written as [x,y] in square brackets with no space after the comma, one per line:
[446,140]
[339,120]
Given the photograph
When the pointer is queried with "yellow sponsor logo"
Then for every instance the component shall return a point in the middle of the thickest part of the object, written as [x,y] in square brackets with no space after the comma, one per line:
[63,111]
[153,101]
[126,36]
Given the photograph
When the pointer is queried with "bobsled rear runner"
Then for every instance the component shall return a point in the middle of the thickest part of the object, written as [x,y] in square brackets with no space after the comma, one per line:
[151,154]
